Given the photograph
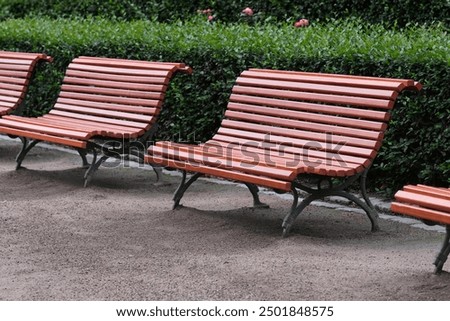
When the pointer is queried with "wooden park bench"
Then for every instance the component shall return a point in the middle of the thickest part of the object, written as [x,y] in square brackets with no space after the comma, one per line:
[16,70]
[287,130]
[432,206]
[108,106]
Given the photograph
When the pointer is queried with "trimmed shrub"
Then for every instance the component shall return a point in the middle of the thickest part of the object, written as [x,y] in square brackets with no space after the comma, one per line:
[391,13]
[417,144]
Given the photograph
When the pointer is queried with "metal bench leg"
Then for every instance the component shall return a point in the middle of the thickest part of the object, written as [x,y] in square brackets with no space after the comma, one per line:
[371,212]
[254,190]
[315,195]
[183,187]
[26,147]
[83,155]
[159,175]
[364,190]
[443,254]
[93,167]
[296,210]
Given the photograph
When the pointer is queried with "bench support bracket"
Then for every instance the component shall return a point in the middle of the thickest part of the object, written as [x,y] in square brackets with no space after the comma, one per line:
[183,187]
[95,164]
[443,254]
[26,147]
[330,190]
[256,201]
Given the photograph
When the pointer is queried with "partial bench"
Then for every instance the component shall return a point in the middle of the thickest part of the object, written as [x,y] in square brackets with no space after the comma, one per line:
[288,130]
[431,205]
[16,70]
[107,106]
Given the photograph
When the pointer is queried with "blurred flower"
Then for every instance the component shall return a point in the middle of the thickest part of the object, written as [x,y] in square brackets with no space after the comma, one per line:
[248,11]
[205,11]
[210,18]
[301,23]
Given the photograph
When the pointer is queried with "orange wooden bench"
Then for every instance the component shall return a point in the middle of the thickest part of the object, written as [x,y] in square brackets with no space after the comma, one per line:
[108,106]
[288,130]
[432,206]
[16,70]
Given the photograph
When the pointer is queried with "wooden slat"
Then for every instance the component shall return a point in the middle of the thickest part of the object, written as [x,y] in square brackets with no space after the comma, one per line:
[311,107]
[7,104]
[16,74]
[16,67]
[268,153]
[256,156]
[350,80]
[24,123]
[428,190]
[15,100]
[112,92]
[117,107]
[23,55]
[106,113]
[98,130]
[431,202]
[325,98]
[114,84]
[92,124]
[318,88]
[105,120]
[3,110]
[119,71]
[324,128]
[307,116]
[139,64]
[12,87]
[106,99]
[11,93]
[111,77]
[218,172]
[303,134]
[340,148]
[43,137]
[14,80]
[184,155]
[421,213]
[16,61]
[277,148]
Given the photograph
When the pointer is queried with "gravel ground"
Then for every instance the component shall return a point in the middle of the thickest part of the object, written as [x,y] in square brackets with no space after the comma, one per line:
[118,239]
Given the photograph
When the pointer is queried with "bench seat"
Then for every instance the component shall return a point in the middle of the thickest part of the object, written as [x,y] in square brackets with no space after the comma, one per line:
[105,105]
[429,204]
[281,128]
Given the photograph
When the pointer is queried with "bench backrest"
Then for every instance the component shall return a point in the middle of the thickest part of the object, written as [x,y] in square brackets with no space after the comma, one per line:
[16,69]
[324,112]
[115,91]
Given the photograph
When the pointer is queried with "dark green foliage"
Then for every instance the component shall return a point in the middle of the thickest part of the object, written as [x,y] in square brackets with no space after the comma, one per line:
[389,12]
[417,144]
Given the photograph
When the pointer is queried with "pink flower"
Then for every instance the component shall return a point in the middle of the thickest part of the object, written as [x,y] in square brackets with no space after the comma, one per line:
[210,18]
[301,23]
[205,11]
[248,11]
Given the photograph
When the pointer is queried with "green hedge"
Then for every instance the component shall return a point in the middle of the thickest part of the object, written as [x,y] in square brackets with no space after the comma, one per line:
[390,12]
[417,146]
